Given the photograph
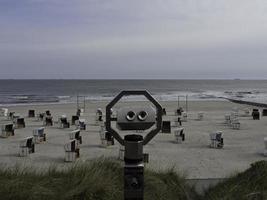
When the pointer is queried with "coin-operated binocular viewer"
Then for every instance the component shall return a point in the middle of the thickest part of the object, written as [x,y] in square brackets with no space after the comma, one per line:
[145,120]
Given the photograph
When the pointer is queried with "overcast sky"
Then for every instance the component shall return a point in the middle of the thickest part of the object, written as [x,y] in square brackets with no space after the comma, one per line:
[133,39]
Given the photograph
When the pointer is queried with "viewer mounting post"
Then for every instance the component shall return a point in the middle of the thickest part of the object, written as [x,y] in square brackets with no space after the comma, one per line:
[134,118]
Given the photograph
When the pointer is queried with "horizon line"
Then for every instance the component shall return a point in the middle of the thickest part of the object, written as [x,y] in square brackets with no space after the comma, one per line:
[170,79]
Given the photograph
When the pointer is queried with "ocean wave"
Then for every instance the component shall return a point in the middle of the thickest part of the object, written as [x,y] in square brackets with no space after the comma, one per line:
[24,99]
[64,97]
[18,99]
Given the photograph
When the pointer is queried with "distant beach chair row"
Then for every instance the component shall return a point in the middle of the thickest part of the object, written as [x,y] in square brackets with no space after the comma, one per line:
[72,150]
[46,118]
[232,119]
[27,145]
[15,121]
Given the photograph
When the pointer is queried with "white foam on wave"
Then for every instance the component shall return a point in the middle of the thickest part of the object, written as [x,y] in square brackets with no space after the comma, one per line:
[64,97]
[19,97]
[209,95]
[170,96]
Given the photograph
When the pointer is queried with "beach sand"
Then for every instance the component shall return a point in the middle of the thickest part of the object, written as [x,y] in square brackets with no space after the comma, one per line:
[193,157]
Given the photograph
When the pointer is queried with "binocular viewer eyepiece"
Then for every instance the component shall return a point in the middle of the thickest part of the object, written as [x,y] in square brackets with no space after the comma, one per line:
[130,115]
[141,116]
[136,118]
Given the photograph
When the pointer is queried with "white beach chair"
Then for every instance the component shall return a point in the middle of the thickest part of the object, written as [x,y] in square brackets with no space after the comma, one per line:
[48,120]
[177,121]
[72,151]
[80,124]
[76,135]
[106,138]
[4,112]
[179,135]
[227,119]
[19,122]
[7,130]
[74,118]
[14,116]
[178,112]
[99,116]
[256,114]
[26,146]
[31,113]
[39,135]
[81,112]
[216,140]
[40,116]
[184,116]
[235,124]
[10,115]
[63,122]
[234,116]
[102,131]
[200,116]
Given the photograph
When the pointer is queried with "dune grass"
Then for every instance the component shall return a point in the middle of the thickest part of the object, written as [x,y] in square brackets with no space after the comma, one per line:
[102,179]
[93,180]
[248,185]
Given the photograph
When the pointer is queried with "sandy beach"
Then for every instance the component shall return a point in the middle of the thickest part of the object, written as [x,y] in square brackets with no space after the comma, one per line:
[193,157]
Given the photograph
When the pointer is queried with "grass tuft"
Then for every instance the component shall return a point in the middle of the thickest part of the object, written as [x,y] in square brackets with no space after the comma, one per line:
[99,179]
[102,179]
[248,185]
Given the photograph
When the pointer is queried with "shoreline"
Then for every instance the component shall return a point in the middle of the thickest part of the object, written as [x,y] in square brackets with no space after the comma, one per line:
[219,99]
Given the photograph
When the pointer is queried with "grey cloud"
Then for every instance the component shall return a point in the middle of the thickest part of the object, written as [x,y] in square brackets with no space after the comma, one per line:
[136,39]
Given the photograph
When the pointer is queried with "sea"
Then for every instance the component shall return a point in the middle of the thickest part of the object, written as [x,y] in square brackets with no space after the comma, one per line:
[13,92]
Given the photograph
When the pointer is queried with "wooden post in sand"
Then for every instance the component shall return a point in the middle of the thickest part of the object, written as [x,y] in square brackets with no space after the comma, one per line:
[81,100]
[186,102]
